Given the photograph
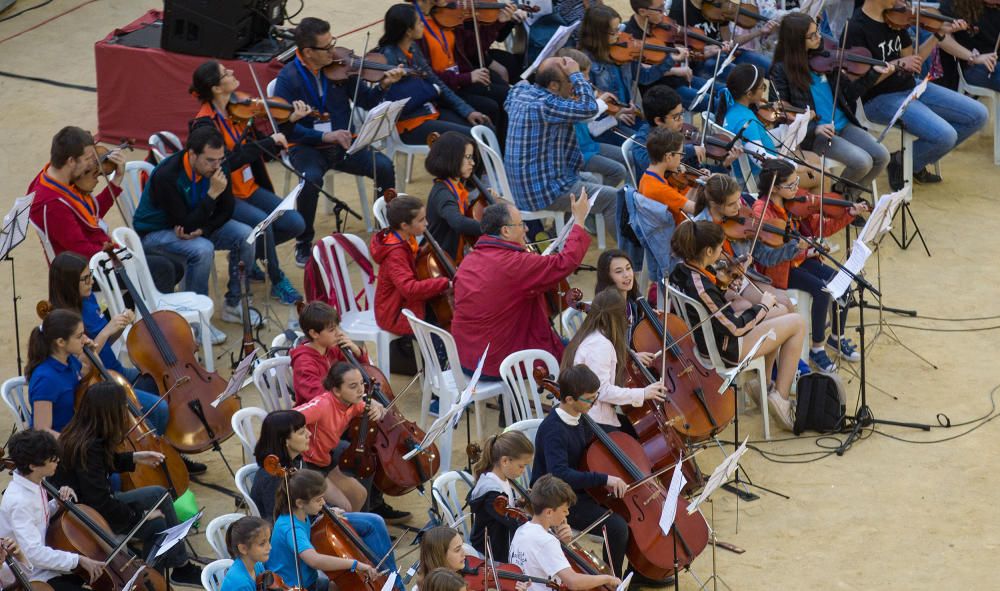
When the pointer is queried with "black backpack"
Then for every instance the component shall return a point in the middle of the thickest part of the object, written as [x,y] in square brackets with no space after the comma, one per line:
[821,403]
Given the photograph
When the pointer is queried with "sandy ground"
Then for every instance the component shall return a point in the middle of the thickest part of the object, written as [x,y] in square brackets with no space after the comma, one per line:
[889,514]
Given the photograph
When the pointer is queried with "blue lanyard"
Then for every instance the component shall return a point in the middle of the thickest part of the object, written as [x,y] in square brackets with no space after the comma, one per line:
[198,189]
[443,41]
[225,126]
[655,176]
[310,81]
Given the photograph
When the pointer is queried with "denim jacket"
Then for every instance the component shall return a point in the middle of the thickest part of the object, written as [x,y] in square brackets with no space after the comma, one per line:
[617,79]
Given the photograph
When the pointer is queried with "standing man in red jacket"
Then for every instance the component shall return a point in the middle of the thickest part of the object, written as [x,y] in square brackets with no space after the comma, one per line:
[70,216]
[500,287]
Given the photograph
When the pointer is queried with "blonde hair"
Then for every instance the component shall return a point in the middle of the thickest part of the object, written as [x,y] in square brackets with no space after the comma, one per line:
[509,444]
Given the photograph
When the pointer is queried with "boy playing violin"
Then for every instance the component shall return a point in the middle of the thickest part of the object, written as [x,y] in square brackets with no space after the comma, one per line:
[665,159]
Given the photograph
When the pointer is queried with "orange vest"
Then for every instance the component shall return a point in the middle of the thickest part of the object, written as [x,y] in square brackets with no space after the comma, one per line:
[242,179]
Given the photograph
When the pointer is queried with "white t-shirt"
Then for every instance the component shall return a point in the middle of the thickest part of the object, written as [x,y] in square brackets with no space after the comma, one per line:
[537,553]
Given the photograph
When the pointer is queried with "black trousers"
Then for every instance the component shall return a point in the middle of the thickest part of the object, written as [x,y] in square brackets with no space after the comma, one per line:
[585,512]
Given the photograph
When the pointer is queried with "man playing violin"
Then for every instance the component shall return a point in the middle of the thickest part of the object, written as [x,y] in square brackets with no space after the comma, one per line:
[321,145]
[70,216]
[689,13]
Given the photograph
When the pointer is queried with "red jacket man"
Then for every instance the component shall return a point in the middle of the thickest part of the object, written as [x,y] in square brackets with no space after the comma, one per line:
[499,289]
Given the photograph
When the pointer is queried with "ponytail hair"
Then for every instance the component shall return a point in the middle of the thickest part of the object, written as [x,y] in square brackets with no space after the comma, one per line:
[690,239]
[56,324]
[743,79]
[243,531]
[773,172]
[715,190]
[304,485]
[508,444]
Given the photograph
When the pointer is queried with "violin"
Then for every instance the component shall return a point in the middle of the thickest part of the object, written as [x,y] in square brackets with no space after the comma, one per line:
[717,146]
[667,31]
[684,177]
[249,345]
[480,576]
[805,204]
[854,61]
[650,552]
[160,344]
[172,473]
[107,166]
[744,14]
[903,16]
[373,66]
[272,581]
[729,270]
[743,226]
[333,536]
[390,439]
[242,107]
[455,13]
[628,49]
[778,113]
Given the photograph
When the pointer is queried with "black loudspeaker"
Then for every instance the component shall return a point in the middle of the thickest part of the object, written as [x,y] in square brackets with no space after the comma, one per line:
[212,28]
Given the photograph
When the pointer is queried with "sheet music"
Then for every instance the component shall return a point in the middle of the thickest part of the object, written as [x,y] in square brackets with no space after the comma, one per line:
[880,220]
[238,379]
[135,578]
[378,124]
[795,132]
[601,125]
[389,582]
[914,95]
[855,263]
[721,473]
[287,204]
[733,372]
[15,224]
[556,43]
[174,535]
[708,83]
[669,513]
[560,240]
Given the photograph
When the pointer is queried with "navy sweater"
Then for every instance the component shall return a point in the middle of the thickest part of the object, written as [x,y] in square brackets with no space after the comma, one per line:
[558,450]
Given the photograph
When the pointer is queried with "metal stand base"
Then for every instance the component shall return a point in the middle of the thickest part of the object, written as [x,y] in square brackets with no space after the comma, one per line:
[906,239]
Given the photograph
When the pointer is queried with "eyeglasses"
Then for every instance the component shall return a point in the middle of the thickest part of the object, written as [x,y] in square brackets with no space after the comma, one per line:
[327,48]
[521,224]
[87,278]
[677,116]
[588,400]
[470,157]
[792,185]
[677,153]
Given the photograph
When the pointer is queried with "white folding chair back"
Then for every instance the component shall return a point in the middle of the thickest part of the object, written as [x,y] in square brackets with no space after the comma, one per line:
[280,342]
[109,290]
[450,490]
[571,319]
[993,104]
[132,185]
[15,395]
[521,399]
[161,151]
[378,210]
[216,533]
[357,323]
[244,482]
[530,428]
[214,574]
[629,160]
[394,146]
[681,302]
[43,237]
[446,383]
[245,425]
[273,378]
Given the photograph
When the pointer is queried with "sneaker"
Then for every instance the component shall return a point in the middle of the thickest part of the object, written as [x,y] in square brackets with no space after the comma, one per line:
[782,409]
[846,348]
[218,337]
[284,292]
[194,467]
[389,514]
[188,575]
[256,274]
[925,176]
[234,315]
[303,250]
[803,370]
[822,361]
[895,170]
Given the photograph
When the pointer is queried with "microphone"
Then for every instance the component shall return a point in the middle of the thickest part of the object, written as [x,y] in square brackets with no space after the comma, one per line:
[739,135]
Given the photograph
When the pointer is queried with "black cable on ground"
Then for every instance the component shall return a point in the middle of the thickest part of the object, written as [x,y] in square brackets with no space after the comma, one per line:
[49,81]
[28,9]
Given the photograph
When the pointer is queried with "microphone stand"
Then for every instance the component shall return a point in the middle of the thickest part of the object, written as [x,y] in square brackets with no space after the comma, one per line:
[802,163]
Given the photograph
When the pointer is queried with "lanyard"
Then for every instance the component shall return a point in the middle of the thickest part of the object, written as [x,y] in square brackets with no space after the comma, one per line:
[226,127]
[443,41]
[454,191]
[319,95]
[198,188]
[655,176]
[72,195]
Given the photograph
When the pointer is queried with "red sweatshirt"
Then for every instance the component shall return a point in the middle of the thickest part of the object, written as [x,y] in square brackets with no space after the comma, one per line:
[397,286]
[327,417]
[309,369]
[58,210]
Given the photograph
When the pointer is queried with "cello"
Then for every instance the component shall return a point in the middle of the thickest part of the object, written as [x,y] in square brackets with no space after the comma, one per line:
[390,438]
[160,344]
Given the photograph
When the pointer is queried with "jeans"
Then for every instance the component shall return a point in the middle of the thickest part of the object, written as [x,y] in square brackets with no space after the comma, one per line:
[811,277]
[142,499]
[313,163]
[253,210]
[161,415]
[199,254]
[373,532]
[605,205]
[861,154]
[978,75]
[607,163]
[941,119]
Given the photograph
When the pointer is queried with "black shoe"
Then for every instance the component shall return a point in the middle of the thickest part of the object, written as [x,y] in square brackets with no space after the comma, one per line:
[188,575]
[193,466]
[390,515]
[303,250]
[926,177]
[895,170]
[641,581]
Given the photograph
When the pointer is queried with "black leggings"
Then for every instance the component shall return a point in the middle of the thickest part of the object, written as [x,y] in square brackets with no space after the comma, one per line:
[68,582]
[811,277]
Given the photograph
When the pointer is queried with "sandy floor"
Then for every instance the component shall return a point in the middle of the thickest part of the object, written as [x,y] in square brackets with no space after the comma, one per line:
[889,514]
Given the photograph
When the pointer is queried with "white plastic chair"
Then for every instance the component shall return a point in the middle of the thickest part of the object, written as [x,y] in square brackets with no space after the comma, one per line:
[244,482]
[281,343]
[273,378]
[448,384]
[395,146]
[15,395]
[161,151]
[43,237]
[357,323]
[680,302]
[244,423]
[993,104]
[489,148]
[530,428]
[907,144]
[132,185]
[214,574]
[629,161]
[571,320]
[378,210]
[450,500]
[803,307]
[216,533]
[521,399]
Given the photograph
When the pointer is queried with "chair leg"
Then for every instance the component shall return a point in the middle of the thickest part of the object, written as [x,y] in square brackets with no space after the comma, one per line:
[206,343]
[764,409]
[366,208]
[382,350]
[601,232]
[409,167]
[995,101]
[400,179]
[479,419]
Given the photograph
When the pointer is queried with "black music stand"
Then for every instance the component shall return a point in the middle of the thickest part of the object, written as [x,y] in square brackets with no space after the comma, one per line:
[12,233]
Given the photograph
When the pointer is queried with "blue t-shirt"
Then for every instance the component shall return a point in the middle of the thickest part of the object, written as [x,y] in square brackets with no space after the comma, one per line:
[823,98]
[282,557]
[756,136]
[238,579]
[93,323]
[54,381]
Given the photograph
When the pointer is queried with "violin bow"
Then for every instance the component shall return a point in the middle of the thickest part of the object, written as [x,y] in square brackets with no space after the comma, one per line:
[107,179]
[491,567]
[357,85]
[479,47]
[833,115]
[760,221]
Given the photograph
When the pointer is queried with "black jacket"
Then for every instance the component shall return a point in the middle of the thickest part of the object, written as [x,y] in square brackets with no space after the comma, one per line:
[445,221]
[255,150]
[90,482]
[164,202]
[485,519]
[847,95]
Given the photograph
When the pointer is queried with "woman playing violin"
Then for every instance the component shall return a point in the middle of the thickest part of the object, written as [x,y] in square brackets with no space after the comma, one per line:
[440,547]
[803,269]
[214,85]
[89,443]
[837,133]
[975,49]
